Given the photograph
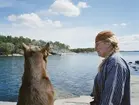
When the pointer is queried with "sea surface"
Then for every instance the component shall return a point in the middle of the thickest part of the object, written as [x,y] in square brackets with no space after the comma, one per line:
[71,75]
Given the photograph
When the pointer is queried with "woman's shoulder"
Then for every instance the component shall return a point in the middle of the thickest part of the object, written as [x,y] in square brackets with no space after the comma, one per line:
[113,59]
[116,59]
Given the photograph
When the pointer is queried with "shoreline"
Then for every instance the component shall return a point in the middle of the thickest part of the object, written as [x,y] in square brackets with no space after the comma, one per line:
[67,53]
[85,100]
[9,55]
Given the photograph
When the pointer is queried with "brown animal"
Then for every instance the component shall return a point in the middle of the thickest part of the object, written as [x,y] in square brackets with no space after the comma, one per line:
[36,88]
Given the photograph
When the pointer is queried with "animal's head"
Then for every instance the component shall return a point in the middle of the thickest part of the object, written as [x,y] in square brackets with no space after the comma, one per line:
[35,55]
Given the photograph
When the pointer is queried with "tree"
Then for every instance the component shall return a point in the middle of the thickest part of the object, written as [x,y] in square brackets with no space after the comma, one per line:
[8,47]
[14,44]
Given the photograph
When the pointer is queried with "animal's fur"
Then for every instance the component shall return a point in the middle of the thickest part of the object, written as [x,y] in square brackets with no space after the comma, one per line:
[36,88]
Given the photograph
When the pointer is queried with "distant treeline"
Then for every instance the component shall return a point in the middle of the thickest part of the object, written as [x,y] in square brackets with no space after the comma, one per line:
[10,45]
[83,50]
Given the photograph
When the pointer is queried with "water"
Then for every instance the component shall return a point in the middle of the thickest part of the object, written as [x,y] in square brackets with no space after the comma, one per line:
[71,75]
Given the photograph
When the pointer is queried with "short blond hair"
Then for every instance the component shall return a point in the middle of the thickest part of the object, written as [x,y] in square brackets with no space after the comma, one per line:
[108,36]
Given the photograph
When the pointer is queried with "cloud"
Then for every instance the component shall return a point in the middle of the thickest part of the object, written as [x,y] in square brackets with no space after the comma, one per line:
[115,24]
[129,42]
[120,25]
[82,5]
[67,8]
[123,24]
[64,7]
[12,18]
[32,20]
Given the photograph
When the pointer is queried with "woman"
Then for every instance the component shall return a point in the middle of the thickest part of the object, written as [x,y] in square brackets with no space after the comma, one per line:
[112,82]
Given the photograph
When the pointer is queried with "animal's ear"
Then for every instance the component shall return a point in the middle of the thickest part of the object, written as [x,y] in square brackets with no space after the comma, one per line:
[25,47]
[46,48]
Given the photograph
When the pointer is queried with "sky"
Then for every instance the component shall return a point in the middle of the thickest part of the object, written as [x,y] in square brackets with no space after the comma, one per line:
[72,22]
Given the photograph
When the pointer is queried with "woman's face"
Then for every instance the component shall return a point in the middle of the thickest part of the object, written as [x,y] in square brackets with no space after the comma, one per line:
[103,48]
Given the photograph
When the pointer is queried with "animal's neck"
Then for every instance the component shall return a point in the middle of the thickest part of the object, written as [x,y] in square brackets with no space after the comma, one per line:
[34,71]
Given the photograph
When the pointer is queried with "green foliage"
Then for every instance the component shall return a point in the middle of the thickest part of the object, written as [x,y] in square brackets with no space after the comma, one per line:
[61,45]
[10,45]
[83,50]
[7,47]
